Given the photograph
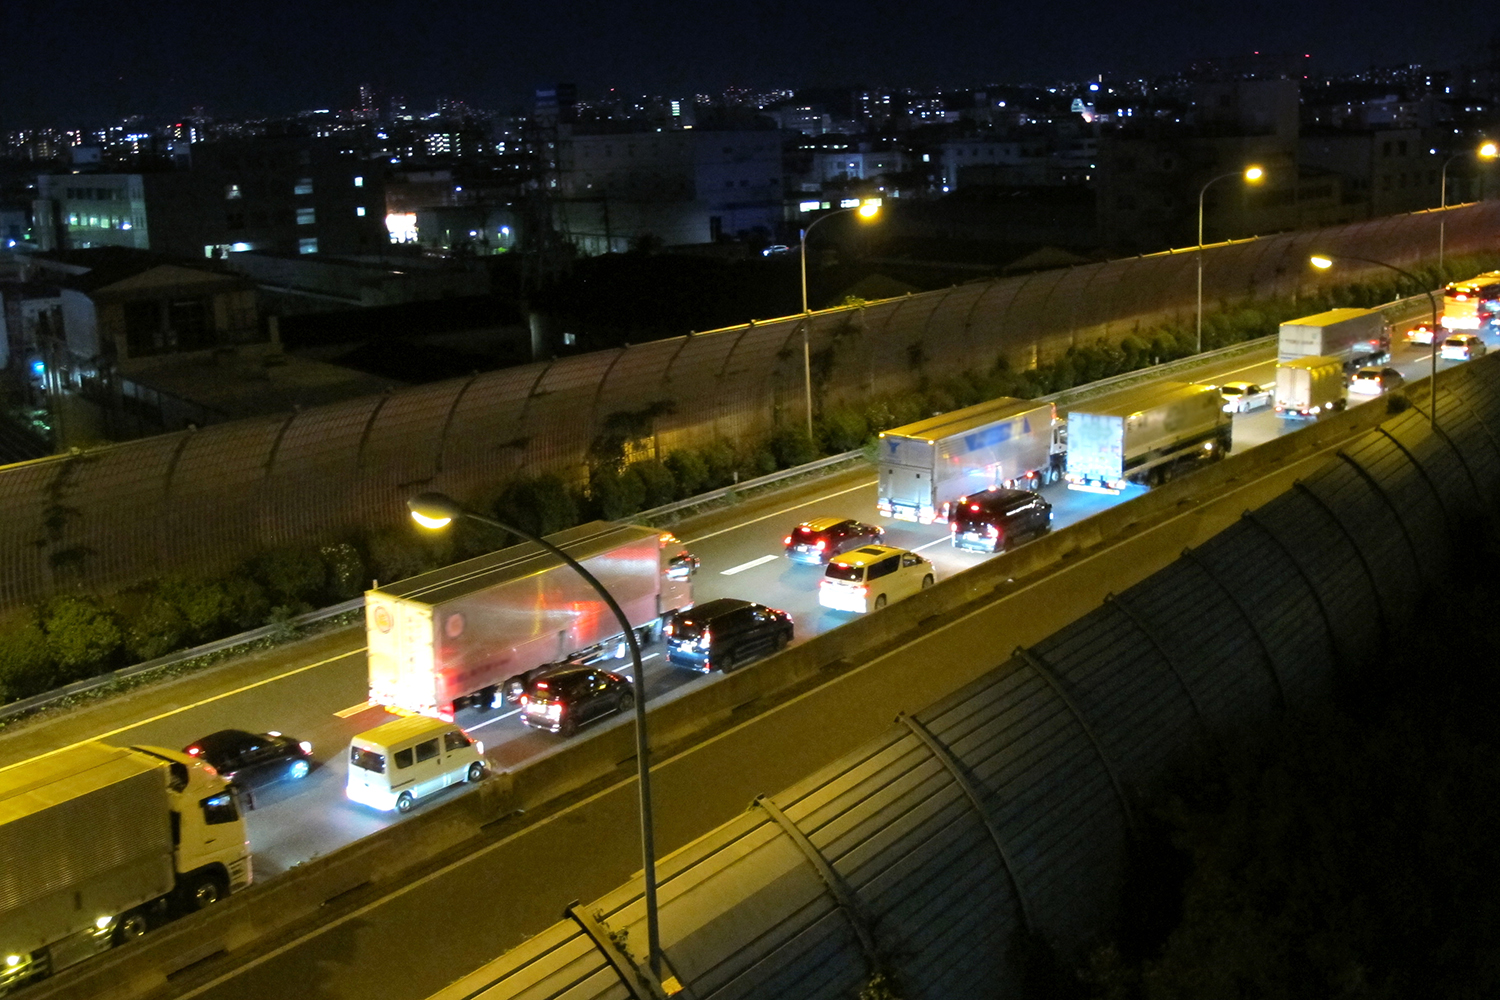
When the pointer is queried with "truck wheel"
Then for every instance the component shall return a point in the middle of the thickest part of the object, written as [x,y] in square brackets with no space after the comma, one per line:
[132,925]
[476,772]
[405,802]
[202,892]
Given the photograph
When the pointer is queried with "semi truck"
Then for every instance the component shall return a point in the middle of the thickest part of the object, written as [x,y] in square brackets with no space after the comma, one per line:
[925,466]
[100,843]
[1145,435]
[1309,387]
[452,637]
[1356,337]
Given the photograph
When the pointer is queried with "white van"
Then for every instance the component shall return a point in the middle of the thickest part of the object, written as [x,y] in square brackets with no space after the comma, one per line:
[393,765]
[870,577]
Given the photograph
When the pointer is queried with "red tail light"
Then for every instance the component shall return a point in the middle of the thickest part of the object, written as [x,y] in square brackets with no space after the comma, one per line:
[194,751]
[822,545]
[787,540]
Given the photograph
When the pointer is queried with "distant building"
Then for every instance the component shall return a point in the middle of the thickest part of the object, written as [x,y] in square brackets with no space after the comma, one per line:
[1386,171]
[680,187]
[286,195]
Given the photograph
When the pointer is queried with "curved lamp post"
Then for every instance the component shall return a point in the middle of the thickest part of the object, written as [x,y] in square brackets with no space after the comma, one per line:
[1325,261]
[867,210]
[437,510]
[1486,152]
[1252,175]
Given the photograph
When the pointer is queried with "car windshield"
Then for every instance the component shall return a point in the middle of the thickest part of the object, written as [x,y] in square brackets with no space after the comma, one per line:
[843,571]
[806,535]
[686,628]
[1455,342]
[1232,390]
[367,759]
[1371,375]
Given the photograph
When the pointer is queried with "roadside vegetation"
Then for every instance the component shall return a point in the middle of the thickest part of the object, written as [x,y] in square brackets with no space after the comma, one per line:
[77,635]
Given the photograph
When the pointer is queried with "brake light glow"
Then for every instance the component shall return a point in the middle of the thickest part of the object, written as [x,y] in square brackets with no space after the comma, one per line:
[306,746]
[194,751]
[787,540]
[822,545]
[973,506]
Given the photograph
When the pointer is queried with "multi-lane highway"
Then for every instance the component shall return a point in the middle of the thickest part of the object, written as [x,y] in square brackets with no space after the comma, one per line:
[315,689]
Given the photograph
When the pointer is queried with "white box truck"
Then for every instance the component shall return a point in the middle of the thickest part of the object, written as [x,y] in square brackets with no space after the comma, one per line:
[1355,336]
[1145,435]
[450,638]
[1310,387]
[923,467]
[99,843]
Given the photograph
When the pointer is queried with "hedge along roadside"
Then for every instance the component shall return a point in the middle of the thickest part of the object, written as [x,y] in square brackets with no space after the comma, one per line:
[74,643]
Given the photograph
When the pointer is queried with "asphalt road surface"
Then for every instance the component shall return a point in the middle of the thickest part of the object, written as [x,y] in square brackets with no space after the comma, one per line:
[315,689]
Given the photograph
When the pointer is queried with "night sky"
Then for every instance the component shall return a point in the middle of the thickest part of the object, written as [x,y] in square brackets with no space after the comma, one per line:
[70,61]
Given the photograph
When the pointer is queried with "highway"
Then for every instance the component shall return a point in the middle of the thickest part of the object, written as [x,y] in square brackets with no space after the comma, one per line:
[315,689]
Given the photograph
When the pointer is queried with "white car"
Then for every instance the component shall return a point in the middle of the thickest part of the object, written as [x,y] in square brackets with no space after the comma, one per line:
[775,251]
[871,576]
[1242,397]
[1374,381]
[1462,347]
[1420,334]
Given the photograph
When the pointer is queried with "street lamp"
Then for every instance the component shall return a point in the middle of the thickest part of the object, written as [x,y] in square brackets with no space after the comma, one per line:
[1252,175]
[866,210]
[437,510]
[1485,152]
[1325,261]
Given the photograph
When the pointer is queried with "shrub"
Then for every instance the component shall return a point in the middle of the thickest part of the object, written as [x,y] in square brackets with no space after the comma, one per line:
[762,462]
[659,483]
[721,460]
[26,666]
[790,447]
[246,602]
[397,553]
[615,495]
[689,471]
[541,505]
[292,576]
[202,603]
[842,429]
[82,638]
[344,570]
[155,630]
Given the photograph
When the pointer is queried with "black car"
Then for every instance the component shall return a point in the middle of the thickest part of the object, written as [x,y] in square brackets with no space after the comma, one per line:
[819,540]
[563,699]
[251,759]
[726,633]
[998,519]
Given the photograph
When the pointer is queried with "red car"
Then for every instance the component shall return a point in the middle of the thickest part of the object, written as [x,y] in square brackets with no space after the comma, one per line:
[819,540]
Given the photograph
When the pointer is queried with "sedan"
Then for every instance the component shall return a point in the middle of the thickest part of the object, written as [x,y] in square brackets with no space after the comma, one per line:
[1420,334]
[1242,397]
[1462,347]
[817,541]
[251,759]
[1374,381]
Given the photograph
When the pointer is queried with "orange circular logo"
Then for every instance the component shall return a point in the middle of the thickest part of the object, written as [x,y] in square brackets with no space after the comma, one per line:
[383,618]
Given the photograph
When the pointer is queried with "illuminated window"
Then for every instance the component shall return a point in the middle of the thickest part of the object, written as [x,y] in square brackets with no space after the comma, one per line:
[360,211]
[306,216]
[307,246]
[232,191]
[359,181]
[304,186]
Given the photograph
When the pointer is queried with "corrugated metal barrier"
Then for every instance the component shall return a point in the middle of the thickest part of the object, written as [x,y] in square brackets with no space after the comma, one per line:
[203,500]
[1008,807]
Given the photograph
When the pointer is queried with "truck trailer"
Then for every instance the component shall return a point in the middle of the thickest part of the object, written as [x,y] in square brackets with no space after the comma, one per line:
[101,843]
[450,638]
[1310,387]
[1145,435]
[1356,337]
[923,467]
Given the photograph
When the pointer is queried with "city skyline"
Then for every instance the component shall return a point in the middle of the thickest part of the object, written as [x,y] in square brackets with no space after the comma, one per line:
[273,58]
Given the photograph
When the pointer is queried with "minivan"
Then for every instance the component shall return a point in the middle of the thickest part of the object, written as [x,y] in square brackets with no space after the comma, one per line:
[393,765]
[872,576]
[998,519]
[1461,347]
[725,633]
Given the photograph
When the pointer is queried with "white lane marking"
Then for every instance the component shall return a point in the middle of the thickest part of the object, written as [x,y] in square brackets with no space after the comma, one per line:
[785,510]
[749,565]
[486,722]
[659,766]
[185,708]
[651,656]
[930,544]
[363,706]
